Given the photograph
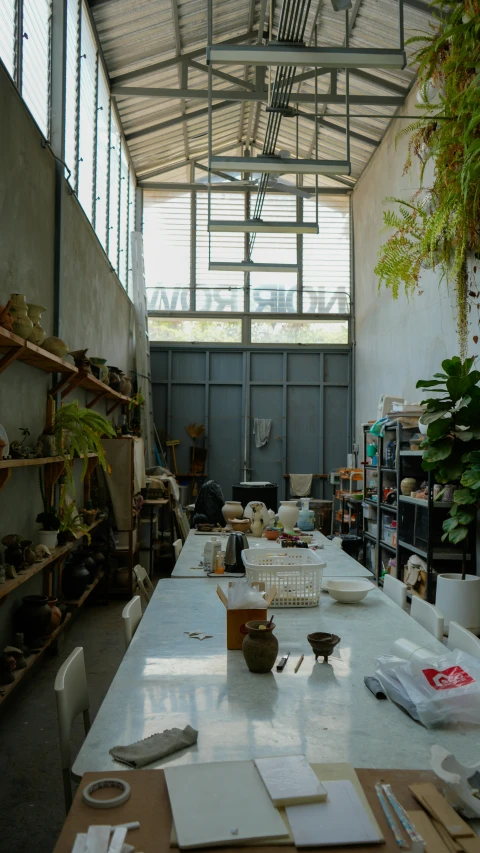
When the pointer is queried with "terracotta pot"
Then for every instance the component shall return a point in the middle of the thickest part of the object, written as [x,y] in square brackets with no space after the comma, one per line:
[272,534]
[37,335]
[232,509]
[240,524]
[260,646]
[2,445]
[56,614]
[32,619]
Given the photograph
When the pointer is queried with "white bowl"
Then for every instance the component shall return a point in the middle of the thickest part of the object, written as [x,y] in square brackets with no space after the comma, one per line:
[348,591]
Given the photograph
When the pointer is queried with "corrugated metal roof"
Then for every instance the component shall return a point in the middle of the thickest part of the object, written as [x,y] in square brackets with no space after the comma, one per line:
[137,35]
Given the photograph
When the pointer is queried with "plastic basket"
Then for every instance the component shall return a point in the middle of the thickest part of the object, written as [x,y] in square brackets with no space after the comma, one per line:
[296,573]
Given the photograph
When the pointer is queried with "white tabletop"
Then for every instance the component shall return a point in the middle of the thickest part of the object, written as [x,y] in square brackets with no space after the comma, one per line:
[338,563]
[325,711]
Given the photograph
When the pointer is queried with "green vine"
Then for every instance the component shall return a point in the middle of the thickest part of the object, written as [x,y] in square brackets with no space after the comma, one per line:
[440,226]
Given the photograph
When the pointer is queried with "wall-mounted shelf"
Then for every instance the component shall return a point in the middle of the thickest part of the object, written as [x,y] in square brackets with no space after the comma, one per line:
[411,453]
[10,585]
[54,465]
[389,508]
[424,502]
[17,349]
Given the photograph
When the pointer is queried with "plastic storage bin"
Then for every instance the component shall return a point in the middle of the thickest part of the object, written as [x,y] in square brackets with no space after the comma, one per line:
[296,573]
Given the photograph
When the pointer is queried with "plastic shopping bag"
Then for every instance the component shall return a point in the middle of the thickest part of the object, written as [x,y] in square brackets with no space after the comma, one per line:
[438,692]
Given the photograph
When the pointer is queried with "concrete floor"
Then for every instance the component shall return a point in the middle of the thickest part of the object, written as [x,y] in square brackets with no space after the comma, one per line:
[32,807]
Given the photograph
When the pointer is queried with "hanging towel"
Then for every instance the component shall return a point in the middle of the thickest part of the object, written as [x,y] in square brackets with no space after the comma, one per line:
[261,430]
[300,485]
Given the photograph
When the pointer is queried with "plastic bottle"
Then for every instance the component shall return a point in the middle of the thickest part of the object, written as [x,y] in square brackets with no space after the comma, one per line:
[212,547]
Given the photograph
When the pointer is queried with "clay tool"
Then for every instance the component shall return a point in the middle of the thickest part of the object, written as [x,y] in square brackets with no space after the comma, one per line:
[300,661]
[390,818]
[282,663]
[269,624]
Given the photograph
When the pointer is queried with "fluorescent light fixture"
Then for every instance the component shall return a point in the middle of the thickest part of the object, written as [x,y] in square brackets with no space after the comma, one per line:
[258,226]
[250,266]
[326,57]
[281,165]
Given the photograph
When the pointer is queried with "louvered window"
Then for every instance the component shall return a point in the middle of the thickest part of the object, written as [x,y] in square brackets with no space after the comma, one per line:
[103,146]
[219,291]
[326,257]
[113,210]
[37,20]
[166,230]
[123,234]
[269,291]
[7,34]
[87,122]
[131,227]
[72,94]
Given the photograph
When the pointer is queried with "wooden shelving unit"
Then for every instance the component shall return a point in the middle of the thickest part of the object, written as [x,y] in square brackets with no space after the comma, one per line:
[76,603]
[7,689]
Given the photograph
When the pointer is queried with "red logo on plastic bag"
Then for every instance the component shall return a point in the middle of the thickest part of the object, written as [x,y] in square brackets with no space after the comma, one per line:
[446,679]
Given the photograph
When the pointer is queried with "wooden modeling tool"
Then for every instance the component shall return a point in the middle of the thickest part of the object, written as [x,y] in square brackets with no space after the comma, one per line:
[300,661]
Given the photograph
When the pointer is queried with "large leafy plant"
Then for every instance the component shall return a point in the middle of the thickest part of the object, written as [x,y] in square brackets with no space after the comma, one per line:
[79,431]
[452,451]
[441,228]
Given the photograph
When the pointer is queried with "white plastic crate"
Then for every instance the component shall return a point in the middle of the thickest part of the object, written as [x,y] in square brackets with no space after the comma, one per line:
[296,573]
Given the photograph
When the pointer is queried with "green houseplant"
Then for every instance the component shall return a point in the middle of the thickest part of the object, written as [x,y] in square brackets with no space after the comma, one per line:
[71,525]
[452,455]
[438,228]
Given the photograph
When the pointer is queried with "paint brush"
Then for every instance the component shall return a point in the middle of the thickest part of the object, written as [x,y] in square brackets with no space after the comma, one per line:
[269,625]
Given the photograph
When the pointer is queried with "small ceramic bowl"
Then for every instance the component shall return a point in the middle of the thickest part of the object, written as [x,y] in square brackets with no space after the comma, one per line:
[241,524]
[348,591]
[272,534]
[323,644]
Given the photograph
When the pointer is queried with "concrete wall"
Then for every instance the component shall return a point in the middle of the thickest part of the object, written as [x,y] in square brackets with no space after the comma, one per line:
[397,342]
[95,309]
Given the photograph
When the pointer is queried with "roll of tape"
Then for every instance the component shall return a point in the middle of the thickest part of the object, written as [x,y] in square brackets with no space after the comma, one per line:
[90,789]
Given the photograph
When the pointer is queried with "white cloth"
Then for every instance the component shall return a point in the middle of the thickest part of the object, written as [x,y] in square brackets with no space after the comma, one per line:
[300,485]
[261,430]
[138,465]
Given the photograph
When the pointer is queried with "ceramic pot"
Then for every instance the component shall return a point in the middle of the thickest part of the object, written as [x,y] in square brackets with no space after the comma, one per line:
[232,509]
[48,444]
[122,383]
[75,576]
[458,600]
[14,556]
[101,365]
[56,614]
[128,387]
[32,619]
[272,534]
[22,324]
[47,538]
[306,519]
[257,525]
[29,554]
[260,646]
[114,378]
[121,578]
[407,485]
[288,514]
[56,346]
[37,335]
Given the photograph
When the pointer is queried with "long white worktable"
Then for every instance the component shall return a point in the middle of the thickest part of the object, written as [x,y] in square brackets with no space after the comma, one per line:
[167,679]
[338,563]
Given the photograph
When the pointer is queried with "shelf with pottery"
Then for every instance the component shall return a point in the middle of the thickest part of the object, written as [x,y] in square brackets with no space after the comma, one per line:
[76,603]
[16,348]
[6,689]
[7,465]
[58,553]
[90,383]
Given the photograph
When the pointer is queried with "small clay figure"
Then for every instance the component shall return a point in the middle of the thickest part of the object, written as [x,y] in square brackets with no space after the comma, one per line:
[17,655]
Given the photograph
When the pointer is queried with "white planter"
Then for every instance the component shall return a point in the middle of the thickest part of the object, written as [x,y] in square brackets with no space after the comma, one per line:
[458,600]
[232,509]
[288,514]
[47,537]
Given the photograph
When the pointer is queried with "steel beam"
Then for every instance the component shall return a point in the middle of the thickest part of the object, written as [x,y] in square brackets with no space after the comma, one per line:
[237,81]
[326,57]
[243,95]
[335,128]
[234,186]
[250,266]
[280,165]
[163,125]
[261,226]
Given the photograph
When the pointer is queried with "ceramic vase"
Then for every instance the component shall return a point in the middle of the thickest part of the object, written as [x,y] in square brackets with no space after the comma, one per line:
[407,486]
[232,509]
[75,576]
[288,514]
[56,614]
[22,324]
[128,387]
[114,378]
[56,346]
[458,600]
[37,335]
[260,646]
[257,525]
[32,619]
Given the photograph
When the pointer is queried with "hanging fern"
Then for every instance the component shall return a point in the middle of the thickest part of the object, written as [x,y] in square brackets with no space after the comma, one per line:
[445,233]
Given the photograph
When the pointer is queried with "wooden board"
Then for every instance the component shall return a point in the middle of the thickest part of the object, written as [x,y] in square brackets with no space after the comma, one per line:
[425,827]
[150,805]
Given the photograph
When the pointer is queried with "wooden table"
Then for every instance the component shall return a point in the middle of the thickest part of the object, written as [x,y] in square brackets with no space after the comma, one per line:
[324,711]
[149,804]
[339,564]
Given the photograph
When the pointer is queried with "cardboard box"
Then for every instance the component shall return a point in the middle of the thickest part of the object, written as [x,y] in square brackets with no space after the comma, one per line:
[236,619]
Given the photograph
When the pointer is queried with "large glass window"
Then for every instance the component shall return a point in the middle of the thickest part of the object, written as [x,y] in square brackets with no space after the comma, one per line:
[273,291]
[167,236]
[7,34]
[103,146]
[114,196]
[218,291]
[131,227]
[326,258]
[123,235]
[205,330]
[87,120]
[71,90]
[37,20]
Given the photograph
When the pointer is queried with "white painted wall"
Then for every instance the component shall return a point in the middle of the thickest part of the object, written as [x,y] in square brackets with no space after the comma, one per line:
[397,342]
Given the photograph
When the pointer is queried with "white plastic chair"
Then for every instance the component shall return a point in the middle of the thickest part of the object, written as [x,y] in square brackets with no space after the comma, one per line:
[463,639]
[428,616]
[132,616]
[177,548]
[396,590]
[71,694]
[143,582]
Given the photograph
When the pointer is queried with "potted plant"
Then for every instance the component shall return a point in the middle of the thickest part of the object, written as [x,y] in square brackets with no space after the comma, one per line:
[452,455]
[135,407]
[71,526]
